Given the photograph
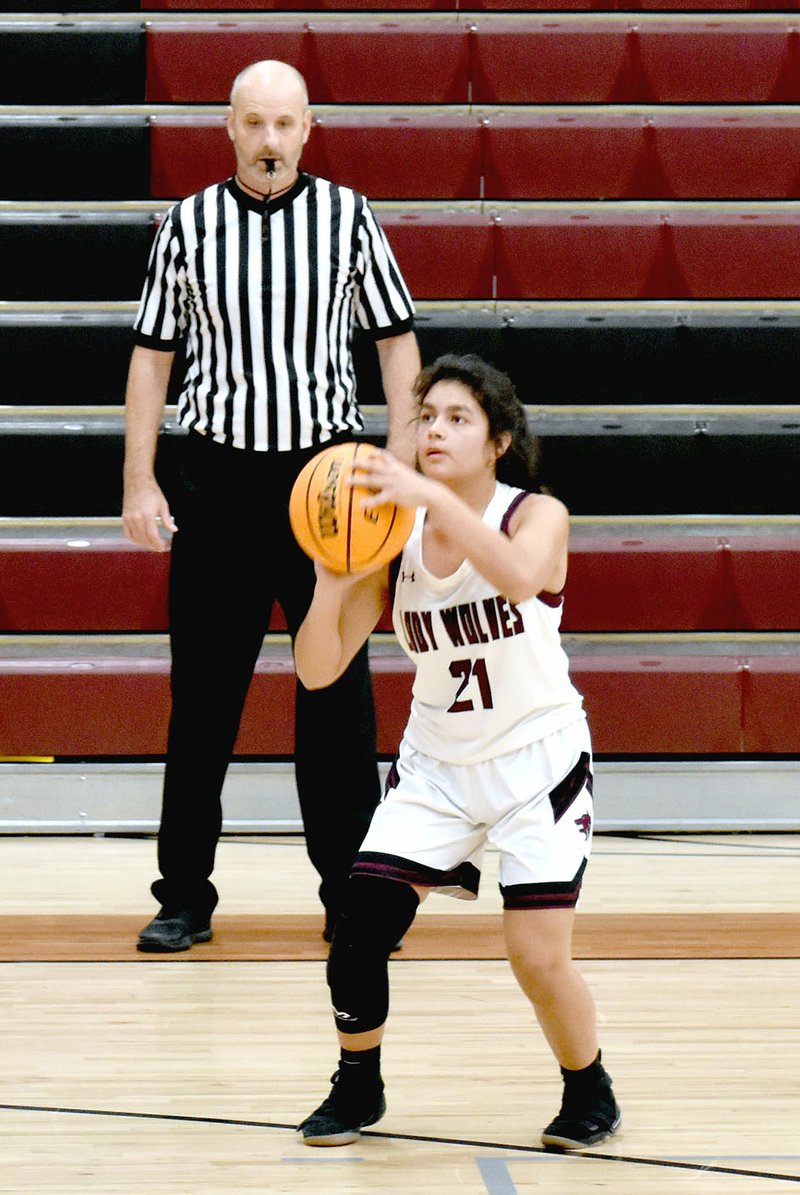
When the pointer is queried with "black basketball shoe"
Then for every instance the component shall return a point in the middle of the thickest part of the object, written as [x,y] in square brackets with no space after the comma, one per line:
[589,1112]
[350,1107]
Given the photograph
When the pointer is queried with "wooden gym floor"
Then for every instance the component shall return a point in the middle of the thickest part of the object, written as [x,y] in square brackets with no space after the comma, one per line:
[186,1074]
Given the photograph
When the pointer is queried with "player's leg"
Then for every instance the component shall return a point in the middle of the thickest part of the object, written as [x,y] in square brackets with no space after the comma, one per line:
[419,840]
[337,778]
[336,769]
[545,845]
[377,913]
[539,950]
[538,942]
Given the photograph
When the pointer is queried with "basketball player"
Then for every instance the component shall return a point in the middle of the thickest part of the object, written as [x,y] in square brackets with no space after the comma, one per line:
[496,747]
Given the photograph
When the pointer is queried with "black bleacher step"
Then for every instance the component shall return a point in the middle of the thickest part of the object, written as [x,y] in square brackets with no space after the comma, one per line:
[54,156]
[697,353]
[74,253]
[75,469]
[59,59]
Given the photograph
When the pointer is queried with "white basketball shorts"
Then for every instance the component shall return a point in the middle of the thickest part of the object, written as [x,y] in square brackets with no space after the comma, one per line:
[534,805]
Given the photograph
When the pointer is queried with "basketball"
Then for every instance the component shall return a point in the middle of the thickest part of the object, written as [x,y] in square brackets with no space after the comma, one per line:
[327,519]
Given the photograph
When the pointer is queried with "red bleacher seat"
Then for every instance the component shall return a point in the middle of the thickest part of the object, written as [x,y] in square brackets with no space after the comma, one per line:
[645,252]
[488,59]
[618,154]
[521,154]
[107,585]
[746,582]
[118,706]
[617,59]
[637,704]
[682,583]
[465,7]
[443,254]
[771,699]
[562,251]
[381,61]
[661,703]
[279,6]
[383,154]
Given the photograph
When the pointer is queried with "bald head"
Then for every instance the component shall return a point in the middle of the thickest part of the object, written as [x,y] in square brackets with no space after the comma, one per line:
[269,123]
[270,76]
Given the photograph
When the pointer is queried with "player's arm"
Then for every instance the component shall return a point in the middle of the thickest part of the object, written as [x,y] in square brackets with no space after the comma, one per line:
[530,559]
[144,506]
[400,363]
[343,612]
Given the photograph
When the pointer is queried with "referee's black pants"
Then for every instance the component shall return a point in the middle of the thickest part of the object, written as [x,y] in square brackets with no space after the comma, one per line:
[233,556]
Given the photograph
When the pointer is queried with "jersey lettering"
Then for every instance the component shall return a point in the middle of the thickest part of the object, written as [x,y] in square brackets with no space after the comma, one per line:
[482,622]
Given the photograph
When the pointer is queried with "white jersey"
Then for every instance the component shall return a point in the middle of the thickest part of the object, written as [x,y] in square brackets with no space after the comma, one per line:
[491,675]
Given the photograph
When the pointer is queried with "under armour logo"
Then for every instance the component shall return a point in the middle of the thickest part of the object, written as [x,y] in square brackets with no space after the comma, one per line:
[584,824]
[343,1016]
[404,576]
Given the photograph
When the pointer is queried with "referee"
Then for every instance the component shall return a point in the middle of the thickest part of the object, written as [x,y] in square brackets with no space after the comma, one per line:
[261,280]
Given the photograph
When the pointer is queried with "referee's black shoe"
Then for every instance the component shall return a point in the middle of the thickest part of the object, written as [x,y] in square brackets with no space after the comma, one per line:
[589,1112]
[350,1107]
[173,930]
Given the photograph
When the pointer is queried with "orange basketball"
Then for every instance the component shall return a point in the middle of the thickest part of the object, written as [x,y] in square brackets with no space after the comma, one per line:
[327,519]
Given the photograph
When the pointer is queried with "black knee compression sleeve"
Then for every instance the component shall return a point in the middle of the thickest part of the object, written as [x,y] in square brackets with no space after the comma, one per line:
[376,915]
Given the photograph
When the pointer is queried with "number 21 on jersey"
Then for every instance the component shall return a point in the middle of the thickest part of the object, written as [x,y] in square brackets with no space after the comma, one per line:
[465,671]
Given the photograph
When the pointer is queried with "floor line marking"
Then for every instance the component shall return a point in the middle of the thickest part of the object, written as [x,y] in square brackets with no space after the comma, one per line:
[625,1159]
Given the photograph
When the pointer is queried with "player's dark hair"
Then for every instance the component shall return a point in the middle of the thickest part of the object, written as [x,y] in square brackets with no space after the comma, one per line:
[494,392]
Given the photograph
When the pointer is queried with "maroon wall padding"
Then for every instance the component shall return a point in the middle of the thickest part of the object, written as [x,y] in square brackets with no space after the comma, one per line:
[514,155]
[385,61]
[561,253]
[772,706]
[636,704]
[616,583]
[383,155]
[596,60]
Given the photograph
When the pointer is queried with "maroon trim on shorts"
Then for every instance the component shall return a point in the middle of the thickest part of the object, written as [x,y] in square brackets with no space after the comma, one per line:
[565,792]
[544,896]
[407,871]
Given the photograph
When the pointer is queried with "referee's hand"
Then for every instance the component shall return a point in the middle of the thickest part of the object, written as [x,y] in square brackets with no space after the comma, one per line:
[144,512]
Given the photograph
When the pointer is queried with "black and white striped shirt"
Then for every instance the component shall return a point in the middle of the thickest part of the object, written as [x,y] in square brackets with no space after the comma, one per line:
[266,298]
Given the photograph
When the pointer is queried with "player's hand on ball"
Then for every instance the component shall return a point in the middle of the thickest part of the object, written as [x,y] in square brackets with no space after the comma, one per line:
[328,579]
[391,481]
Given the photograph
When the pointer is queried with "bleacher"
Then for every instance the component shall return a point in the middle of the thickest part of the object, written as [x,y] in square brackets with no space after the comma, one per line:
[601,200]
